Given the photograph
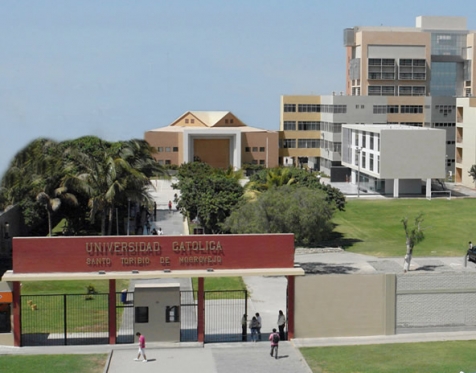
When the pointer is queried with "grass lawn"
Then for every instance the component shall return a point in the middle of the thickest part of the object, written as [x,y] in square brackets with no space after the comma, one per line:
[374,227]
[434,357]
[82,315]
[221,283]
[53,363]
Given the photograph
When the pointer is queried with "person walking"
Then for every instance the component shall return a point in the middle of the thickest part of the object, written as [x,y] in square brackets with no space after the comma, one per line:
[170,206]
[254,329]
[274,339]
[160,232]
[281,325]
[141,348]
[258,317]
[243,328]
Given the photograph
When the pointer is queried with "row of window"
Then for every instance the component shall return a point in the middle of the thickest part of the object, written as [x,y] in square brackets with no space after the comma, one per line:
[444,125]
[167,149]
[407,62]
[395,109]
[403,90]
[315,108]
[310,144]
[290,125]
[254,149]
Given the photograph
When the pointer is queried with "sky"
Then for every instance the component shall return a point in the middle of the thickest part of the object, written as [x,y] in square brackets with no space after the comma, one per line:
[118,68]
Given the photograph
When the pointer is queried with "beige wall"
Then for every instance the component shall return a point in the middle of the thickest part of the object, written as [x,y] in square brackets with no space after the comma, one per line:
[267,140]
[465,140]
[167,141]
[344,305]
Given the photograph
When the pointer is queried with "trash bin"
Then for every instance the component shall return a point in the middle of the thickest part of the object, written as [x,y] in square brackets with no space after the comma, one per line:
[124,296]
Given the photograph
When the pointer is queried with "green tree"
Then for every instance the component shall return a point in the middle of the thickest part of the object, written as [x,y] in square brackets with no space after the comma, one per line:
[472,172]
[288,209]
[413,236]
[207,194]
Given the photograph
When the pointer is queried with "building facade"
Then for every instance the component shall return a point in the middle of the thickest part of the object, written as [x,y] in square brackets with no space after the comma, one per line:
[465,140]
[393,159]
[394,75]
[218,138]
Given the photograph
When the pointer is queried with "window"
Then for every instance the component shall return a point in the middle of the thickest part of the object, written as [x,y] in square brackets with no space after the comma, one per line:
[309,108]
[371,141]
[380,109]
[175,149]
[186,120]
[192,120]
[161,162]
[226,121]
[308,126]
[254,161]
[411,109]
[167,149]
[363,159]
[160,149]
[247,149]
[371,162]
[289,143]
[289,125]
[167,161]
[392,109]
[308,143]
[261,161]
[231,120]
[255,148]
[364,139]
[289,108]
[262,149]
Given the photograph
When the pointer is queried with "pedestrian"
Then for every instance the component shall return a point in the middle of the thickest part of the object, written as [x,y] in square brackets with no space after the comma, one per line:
[141,348]
[254,329]
[281,325]
[274,339]
[170,206]
[243,328]
[160,232]
[258,317]
[147,226]
[154,232]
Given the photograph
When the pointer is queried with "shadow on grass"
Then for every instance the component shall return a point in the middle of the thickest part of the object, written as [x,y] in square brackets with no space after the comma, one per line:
[318,268]
[337,239]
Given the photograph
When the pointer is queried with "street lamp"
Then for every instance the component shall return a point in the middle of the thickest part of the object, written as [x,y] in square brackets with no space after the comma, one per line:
[358,150]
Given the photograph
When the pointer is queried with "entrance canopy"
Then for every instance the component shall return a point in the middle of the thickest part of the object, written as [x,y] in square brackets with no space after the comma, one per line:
[128,257]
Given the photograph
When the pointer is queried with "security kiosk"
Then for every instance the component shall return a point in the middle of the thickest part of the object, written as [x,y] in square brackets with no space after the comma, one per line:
[6,332]
[157,311]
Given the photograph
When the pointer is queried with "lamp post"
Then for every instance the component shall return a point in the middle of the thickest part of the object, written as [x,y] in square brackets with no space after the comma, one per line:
[358,150]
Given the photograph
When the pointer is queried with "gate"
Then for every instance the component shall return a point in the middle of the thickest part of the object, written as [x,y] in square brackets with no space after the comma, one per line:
[65,319]
[223,313]
[125,317]
[188,316]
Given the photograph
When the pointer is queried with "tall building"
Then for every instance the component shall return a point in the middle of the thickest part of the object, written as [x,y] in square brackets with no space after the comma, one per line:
[394,75]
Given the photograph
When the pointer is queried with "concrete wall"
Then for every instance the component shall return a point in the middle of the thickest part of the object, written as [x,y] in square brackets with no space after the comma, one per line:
[344,305]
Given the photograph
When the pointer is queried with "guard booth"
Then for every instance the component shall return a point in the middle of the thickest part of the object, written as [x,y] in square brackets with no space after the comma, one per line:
[6,333]
[157,311]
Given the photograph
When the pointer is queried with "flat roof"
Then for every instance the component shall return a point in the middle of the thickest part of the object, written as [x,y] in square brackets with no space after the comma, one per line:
[380,127]
[137,274]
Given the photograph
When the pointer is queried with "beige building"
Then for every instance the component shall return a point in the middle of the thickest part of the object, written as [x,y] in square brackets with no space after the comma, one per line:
[465,140]
[218,138]
[394,75]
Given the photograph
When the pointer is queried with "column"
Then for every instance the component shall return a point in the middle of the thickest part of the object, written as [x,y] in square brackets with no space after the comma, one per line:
[112,312]
[395,188]
[428,188]
[16,314]
[201,310]
[290,306]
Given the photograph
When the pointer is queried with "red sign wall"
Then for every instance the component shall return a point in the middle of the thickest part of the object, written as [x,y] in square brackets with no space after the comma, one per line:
[150,253]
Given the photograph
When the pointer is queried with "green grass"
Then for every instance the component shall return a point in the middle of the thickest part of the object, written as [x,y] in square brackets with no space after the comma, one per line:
[434,357]
[221,283]
[69,287]
[83,315]
[53,363]
[374,227]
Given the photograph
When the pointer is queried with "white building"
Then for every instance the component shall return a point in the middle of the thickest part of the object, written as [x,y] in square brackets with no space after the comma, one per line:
[393,159]
[465,140]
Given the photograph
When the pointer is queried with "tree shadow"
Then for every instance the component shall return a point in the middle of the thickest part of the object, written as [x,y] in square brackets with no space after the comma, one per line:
[337,239]
[318,268]
[428,268]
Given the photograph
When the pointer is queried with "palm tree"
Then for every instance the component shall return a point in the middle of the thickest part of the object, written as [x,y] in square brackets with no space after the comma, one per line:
[52,204]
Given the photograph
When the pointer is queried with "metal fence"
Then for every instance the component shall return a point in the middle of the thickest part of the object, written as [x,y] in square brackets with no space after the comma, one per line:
[78,319]
[223,313]
[65,319]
